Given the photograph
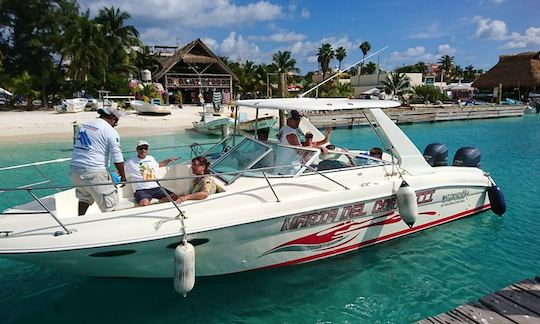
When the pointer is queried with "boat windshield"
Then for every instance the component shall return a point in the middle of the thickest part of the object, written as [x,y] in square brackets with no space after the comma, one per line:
[277,160]
[240,157]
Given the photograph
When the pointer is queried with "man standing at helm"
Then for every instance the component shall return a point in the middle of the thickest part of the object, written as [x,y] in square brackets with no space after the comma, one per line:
[97,141]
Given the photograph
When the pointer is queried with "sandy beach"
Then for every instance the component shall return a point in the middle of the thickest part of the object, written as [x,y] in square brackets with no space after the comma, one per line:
[48,125]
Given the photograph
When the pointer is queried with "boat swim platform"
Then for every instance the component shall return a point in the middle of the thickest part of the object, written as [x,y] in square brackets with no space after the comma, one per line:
[408,115]
[517,303]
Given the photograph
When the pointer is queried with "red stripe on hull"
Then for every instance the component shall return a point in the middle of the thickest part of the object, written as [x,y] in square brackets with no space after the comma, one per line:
[376,240]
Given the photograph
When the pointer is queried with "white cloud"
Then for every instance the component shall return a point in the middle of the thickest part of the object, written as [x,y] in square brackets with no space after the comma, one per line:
[192,13]
[530,38]
[497,30]
[235,47]
[497,1]
[445,49]
[280,37]
[490,29]
[419,53]
[305,13]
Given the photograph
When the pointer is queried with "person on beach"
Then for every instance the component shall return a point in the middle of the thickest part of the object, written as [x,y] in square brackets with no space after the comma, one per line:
[144,167]
[203,185]
[95,144]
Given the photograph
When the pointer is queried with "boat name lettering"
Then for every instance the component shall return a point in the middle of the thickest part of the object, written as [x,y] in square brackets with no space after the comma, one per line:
[384,205]
[310,219]
[455,196]
[424,196]
[348,212]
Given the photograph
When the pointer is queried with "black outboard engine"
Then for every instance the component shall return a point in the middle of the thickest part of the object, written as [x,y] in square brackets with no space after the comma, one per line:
[436,154]
[467,156]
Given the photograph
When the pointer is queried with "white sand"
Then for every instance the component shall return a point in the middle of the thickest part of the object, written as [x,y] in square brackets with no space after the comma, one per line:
[44,126]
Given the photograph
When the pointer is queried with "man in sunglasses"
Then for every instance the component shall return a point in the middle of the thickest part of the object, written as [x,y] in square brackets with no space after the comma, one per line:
[144,167]
[95,144]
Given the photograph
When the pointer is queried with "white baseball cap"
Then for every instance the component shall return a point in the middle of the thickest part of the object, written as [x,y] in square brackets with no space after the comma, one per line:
[142,142]
[109,111]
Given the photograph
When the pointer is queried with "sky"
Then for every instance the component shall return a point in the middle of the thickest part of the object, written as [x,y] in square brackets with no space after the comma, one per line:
[475,32]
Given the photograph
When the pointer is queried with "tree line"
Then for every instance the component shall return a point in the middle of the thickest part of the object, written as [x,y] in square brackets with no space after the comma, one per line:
[50,49]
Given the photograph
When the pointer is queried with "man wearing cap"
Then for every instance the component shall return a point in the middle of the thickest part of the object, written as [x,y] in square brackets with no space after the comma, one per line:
[97,141]
[144,167]
[288,134]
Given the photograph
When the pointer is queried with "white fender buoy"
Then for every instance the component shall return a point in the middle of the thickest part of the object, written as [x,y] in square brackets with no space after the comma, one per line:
[407,205]
[184,268]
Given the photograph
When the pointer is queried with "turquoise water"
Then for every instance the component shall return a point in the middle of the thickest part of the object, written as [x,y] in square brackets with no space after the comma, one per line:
[395,282]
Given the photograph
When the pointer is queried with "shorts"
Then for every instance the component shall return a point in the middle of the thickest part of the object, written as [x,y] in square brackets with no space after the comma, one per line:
[106,196]
[151,193]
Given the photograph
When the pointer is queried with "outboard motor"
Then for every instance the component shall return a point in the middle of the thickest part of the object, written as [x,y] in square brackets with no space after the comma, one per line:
[436,154]
[467,156]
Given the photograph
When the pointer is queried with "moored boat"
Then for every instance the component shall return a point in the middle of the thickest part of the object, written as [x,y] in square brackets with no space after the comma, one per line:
[147,108]
[72,105]
[282,205]
[258,123]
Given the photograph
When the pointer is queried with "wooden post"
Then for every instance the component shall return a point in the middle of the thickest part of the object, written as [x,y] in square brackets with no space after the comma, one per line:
[499,95]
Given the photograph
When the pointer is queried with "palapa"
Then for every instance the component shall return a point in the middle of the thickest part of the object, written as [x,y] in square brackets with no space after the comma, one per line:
[516,71]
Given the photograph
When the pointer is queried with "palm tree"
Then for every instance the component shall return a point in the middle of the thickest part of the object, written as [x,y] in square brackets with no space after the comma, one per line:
[446,64]
[284,63]
[324,56]
[119,38]
[397,84]
[469,72]
[341,53]
[365,47]
[370,68]
[86,50]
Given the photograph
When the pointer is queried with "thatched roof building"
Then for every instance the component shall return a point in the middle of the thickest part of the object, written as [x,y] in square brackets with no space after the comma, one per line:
[513,71]
[194,69]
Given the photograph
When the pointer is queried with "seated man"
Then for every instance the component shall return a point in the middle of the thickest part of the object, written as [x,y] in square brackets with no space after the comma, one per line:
[144,167]
[202,186]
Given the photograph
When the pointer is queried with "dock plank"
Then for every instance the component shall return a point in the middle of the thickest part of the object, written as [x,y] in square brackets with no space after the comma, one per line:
[517,303]
[522,298]
[480,314]
[510,309]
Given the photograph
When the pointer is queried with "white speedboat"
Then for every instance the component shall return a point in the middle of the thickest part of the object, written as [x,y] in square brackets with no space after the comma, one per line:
[147,108]
[72,105]
[258,123]
[281,206]
[212,123]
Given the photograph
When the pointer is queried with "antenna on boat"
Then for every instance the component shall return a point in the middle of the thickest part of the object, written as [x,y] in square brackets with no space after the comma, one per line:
[339,72]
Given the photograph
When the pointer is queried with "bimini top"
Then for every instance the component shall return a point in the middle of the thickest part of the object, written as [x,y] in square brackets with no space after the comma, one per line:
[313,104]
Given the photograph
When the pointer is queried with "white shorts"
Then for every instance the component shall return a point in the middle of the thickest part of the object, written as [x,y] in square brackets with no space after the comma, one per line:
[105,196]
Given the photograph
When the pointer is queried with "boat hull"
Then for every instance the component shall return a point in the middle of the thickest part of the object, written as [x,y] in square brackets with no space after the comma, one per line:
[298,237]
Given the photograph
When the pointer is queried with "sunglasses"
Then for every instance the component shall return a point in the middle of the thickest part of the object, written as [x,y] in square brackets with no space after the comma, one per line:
[142,148]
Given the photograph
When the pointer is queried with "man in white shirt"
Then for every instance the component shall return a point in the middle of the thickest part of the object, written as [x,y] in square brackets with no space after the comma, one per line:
[144,167]
[97,141]
[288,135]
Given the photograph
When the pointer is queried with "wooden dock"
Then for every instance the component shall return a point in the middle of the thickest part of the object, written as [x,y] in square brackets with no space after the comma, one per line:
[404,115]
[518,303]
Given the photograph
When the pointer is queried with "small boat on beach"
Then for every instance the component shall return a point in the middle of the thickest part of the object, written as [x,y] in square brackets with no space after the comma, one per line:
[148,108]
[259,123]
[211,122]
[72,105]
[280,205]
